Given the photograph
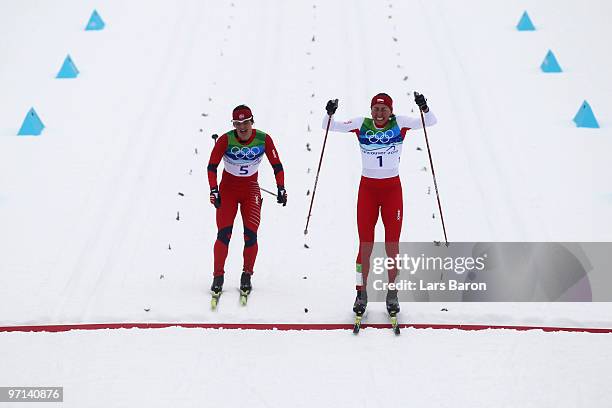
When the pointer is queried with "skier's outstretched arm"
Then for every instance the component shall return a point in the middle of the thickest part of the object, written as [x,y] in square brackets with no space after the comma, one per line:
[428,117]
[342,126]
[352,125]
[415,123]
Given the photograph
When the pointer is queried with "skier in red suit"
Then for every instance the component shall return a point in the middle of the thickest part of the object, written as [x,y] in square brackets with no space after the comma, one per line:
[241,150]
[380,139]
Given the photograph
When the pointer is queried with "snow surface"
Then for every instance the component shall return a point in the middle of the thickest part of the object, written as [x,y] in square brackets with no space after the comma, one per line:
[88,209]
[228,368]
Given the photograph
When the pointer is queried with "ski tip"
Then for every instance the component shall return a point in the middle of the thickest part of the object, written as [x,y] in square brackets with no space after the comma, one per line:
[244,296]
[357,324]
[394,323]
[214,301]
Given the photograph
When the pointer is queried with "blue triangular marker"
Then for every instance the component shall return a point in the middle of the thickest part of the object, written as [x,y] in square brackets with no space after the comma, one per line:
[585,117]
[525,23]
[95,22]
[68,70]
[32,125]
[550,63]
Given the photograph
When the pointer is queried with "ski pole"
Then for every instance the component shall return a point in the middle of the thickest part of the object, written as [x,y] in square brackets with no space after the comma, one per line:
[267,191]
[314,190]
[433,173]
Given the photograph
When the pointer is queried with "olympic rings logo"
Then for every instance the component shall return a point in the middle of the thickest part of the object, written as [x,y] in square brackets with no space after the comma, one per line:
[379,136]
[245,152]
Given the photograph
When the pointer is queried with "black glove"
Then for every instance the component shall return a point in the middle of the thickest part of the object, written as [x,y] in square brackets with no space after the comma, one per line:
[215,197]
[331,106]
[421,101]
[281,198]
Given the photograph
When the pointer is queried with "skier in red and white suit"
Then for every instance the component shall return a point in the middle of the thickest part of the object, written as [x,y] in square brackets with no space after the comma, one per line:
[241,150]
[380,138]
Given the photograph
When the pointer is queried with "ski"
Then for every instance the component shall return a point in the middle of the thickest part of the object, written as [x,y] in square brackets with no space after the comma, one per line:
[214,301]
[359,308]
[245,287]
[393,308]
[244,296]
[357,324]
[394,324]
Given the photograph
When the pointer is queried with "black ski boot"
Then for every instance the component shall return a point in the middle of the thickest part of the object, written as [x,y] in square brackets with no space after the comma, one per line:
[245,287]
[361,302]
[245,283]
[217,285]
[393,306]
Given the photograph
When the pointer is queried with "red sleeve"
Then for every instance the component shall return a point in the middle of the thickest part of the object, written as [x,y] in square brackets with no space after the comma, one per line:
[275,162]
[215,158]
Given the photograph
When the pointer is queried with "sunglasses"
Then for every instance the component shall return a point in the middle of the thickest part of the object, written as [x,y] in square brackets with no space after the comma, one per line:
[242,121]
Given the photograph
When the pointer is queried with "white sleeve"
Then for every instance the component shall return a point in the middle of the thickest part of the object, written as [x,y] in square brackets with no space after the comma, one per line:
[346,126]
[415,123]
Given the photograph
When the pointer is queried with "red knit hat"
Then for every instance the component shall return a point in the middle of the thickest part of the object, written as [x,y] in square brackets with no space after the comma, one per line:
[384,99]
[242,113]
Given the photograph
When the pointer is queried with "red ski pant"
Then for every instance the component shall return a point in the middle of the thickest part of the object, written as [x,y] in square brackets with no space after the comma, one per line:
[384,196]
[234,192]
